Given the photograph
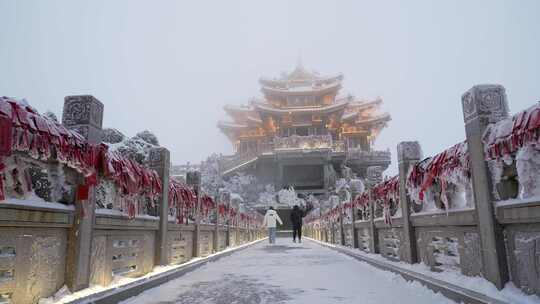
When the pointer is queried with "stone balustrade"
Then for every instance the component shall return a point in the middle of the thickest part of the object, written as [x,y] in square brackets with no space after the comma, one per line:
[474,208]
[61,224]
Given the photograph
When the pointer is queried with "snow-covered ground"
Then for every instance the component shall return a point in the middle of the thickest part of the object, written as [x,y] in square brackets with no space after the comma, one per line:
[509,294]
[289,273]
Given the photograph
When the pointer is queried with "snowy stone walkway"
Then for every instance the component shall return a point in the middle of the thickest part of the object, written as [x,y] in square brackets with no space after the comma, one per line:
[289,273]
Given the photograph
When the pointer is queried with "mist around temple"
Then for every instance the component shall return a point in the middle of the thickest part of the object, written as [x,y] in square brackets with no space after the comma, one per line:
[282,152]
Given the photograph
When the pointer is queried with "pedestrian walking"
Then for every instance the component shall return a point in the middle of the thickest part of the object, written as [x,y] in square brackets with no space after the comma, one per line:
[296,219]
[270,221]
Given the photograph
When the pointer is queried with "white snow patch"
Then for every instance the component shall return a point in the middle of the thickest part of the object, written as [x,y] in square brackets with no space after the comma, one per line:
[36,202]
[290,273]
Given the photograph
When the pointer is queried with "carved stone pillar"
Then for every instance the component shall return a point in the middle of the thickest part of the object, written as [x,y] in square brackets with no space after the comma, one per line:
[216,228]
[374,176]
[194,179]
[354,193]
[160,160]
[409,153]
[482,105]
[84,114]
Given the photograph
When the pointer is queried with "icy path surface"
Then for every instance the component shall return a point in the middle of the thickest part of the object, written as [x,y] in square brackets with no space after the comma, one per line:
[288,273]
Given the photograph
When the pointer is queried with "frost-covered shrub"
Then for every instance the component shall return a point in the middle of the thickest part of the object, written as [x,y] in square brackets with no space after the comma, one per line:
[268,196]
[148,137]
[134,148]
[211,180]
[112,136]
[528,168]
[245,185]
[288,197]
[356,186]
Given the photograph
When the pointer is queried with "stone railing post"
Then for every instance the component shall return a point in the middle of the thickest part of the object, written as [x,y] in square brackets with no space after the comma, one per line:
[216,228]
[409,153]
[374,176]
[353,218]
[194,179]
[228,239]
[159,160]
[482,105]
[84,114]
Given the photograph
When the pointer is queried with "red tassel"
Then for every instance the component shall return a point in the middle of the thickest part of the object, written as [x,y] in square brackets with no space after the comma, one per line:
[83,192]
[131,210]
[5,136]
[2,167]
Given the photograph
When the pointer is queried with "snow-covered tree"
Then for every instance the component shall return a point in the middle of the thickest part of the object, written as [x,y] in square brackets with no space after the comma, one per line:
[211,180]
[112,136]
[148,137]
[136,148]
[268,196]
[245,185]
[289,197]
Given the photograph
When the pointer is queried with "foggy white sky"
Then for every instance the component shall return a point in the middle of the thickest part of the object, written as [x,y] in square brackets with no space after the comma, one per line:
[170,66]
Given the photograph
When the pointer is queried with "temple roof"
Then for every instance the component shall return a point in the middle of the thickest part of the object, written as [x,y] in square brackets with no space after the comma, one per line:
[301,80]
[379,119]
[225,125]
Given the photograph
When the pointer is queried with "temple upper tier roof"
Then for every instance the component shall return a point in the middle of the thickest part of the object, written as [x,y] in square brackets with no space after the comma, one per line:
[301,81]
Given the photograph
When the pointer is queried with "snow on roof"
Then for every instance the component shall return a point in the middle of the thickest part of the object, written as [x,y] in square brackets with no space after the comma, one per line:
[242,108]
[230,125]
[335,106]
[347,116]
[307,88]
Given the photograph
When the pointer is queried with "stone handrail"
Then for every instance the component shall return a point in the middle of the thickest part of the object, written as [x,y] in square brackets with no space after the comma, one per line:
[303,142]
[469,230]
[70,235]
[371,156]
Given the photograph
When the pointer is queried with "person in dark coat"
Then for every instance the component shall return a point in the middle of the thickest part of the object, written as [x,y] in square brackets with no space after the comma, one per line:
[296,219]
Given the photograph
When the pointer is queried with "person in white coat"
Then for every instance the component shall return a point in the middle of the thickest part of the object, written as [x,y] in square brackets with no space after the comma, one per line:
[270,221]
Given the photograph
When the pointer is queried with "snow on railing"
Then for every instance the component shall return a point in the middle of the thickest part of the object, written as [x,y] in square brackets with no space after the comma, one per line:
[442,182]
[26,135]
[512,149]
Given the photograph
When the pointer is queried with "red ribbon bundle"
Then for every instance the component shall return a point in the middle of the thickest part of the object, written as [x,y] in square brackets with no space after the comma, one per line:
[384,192]
[501,139]
[207,204]
[23,129]
[183,199]
[40,136]
[222,209]
[131,177]
[438,168]
[361,200]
